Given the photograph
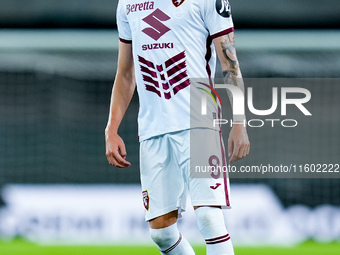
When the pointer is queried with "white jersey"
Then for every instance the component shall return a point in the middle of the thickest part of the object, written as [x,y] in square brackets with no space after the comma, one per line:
[172,44]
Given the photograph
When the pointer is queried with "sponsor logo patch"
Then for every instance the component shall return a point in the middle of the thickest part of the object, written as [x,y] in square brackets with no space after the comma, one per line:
[156,46]
[139,7]
[146,199]
[157,29]
[223,8]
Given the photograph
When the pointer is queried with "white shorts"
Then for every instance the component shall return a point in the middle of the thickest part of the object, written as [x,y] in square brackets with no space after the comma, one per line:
[165,163]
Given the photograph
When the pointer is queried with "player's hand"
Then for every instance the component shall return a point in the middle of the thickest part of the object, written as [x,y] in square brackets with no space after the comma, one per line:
[115,150]
[238,143]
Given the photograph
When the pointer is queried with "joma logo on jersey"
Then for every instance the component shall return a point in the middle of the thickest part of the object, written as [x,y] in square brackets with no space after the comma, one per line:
[157,29]
[139,7]
[167,79]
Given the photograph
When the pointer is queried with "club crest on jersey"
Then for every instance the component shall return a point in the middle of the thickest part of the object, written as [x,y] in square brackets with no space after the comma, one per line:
[223,8]
[177,3]
[146,199]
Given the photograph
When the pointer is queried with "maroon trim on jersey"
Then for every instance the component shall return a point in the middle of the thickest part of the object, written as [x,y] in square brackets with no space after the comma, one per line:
[175,245]
[219,239]
[208,55]
[224,32]
[225,177]
[125,41]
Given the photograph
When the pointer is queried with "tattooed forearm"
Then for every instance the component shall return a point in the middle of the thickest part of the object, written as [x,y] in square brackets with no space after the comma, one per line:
[228,49]
[230,77]
[231,73]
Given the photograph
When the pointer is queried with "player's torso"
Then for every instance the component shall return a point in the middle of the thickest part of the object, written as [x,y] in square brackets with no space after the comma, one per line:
[162,29]
[170,47]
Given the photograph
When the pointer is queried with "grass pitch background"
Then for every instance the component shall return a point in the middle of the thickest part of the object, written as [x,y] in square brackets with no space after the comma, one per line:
[20,247]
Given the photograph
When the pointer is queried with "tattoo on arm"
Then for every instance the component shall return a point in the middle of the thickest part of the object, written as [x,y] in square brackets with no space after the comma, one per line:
[228,48]
[232,74]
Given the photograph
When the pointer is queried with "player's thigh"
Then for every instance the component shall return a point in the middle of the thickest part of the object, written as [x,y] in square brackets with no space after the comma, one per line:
[162,182]
[164,221]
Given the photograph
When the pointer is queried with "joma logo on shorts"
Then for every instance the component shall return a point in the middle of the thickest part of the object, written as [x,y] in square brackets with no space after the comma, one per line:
[215,186]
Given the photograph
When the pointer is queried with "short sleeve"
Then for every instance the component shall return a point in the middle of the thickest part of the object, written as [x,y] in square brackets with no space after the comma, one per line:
[124,30]
[217,17]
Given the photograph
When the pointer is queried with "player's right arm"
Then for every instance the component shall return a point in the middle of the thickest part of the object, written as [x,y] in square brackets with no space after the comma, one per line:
[122,92]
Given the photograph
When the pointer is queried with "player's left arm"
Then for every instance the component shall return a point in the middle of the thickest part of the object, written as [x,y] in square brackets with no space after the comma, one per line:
[238,142]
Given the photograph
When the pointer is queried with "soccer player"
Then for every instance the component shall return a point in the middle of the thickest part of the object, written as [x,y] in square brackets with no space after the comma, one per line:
[164,45]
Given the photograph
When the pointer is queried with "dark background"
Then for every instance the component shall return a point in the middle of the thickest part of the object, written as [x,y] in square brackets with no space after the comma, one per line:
[101,13]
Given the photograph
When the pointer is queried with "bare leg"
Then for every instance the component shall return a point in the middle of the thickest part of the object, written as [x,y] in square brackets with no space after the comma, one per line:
[164,221]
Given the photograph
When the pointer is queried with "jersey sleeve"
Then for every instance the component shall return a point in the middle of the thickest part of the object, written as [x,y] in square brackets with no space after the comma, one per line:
[124,30]
[217,17]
